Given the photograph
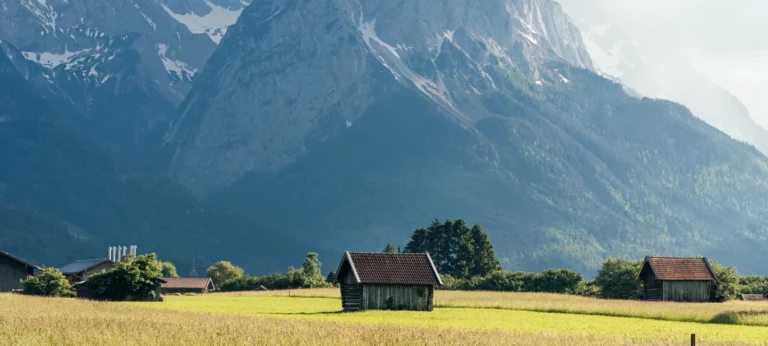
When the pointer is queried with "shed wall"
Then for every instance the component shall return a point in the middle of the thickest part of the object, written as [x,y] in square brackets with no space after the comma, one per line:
[686,291]
[11,274]
[397,297]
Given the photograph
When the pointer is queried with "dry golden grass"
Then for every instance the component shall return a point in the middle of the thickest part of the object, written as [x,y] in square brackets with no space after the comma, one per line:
[48,321]
[733,312]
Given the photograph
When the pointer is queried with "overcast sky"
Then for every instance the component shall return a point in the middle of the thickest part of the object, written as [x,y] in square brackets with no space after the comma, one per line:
[727,40]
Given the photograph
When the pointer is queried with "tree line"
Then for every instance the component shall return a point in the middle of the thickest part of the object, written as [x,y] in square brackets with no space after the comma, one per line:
[463,255]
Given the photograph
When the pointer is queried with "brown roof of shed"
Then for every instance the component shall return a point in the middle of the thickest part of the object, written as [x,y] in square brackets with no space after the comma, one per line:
[189,283]
[392,269]
[680,269]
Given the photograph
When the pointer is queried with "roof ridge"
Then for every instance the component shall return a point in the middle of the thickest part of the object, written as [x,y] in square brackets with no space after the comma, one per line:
[383,253]
[674,257]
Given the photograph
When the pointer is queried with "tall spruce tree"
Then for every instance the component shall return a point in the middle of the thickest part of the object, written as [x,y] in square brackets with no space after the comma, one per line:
[456,248]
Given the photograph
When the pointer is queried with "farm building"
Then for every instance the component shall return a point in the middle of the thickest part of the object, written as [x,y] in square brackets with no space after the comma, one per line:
[375,281]
[677,279]
[13,270]
[754,297]
[187,285]
[79,271]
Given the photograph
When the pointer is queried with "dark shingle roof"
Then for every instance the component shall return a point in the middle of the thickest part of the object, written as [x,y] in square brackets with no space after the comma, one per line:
[81,266]
[190,283]
[3,253]
[395,269]
[680,269]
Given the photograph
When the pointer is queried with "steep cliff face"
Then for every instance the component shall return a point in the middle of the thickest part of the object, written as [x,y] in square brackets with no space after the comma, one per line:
[125,65]
[290,73]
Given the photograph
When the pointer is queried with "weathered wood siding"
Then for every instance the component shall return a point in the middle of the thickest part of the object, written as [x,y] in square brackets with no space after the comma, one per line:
[351,292]
[396,297]
[11,274]
[106,266]
[686,291]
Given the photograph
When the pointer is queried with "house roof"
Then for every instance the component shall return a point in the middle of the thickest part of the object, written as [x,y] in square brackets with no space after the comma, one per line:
[679,269]
[392,269]
[754,297]
[14,258]
[81,266]
[188,283]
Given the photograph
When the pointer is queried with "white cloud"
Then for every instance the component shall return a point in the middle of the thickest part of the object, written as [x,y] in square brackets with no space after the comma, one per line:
[726,40]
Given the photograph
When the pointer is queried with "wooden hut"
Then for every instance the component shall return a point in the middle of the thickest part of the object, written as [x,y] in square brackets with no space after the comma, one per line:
[379,281]
[187,285]
[13,270]
[677,279]
[79,271]
[754,297]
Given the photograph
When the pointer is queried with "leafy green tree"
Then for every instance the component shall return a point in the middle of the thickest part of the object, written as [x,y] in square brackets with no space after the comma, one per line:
[49,282]
[224,271]
[456,249]
[391,249]
[617,279]
[135,279]
[310,270]
[169,270]
[727,283]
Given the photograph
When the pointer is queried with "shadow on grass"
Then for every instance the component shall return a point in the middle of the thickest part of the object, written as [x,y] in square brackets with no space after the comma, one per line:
[731,317]
[340,312]
[737,317]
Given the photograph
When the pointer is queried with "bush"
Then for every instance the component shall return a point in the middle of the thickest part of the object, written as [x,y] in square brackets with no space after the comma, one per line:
[753,284]
[727,283]
[49,282]
[308,276]
[617,279]
[133,280]
[557,281]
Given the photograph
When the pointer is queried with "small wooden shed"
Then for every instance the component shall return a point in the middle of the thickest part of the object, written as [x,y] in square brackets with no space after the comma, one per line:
[13,270]
[187,285]
[677,279]
[379,281]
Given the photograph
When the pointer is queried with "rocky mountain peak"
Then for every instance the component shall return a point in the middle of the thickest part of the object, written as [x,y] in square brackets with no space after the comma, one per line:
[289,73]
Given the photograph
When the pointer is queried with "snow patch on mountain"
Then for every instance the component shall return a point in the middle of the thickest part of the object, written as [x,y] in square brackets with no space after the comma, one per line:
[178,68]
[214,23]
[51,60]
[45,15]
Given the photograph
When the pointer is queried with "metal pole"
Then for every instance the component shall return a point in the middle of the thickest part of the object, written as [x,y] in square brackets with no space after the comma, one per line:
[693,339]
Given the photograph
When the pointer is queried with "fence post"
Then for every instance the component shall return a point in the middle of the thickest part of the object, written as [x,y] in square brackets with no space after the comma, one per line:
[693,339]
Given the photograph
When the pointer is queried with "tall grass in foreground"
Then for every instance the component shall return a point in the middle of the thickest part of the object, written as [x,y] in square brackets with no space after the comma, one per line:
[52,321]
[732,312]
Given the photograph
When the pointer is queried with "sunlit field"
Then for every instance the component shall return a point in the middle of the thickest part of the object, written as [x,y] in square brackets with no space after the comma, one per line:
[733,312]
[313,317]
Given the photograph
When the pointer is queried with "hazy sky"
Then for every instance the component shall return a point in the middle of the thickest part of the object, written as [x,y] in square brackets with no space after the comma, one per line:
[727,40]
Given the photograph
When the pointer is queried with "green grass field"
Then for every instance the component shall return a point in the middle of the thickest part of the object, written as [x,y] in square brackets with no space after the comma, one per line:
[313,317]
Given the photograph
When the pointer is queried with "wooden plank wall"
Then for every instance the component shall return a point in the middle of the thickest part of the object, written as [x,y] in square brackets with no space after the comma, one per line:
[394,297]
[351,297]
[686,291]
[11,274]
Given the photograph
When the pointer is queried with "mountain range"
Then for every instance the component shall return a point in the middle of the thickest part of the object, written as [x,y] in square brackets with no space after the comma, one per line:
[346,124]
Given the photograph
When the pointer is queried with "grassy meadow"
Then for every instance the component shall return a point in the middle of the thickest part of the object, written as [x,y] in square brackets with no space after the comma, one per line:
[313,317]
